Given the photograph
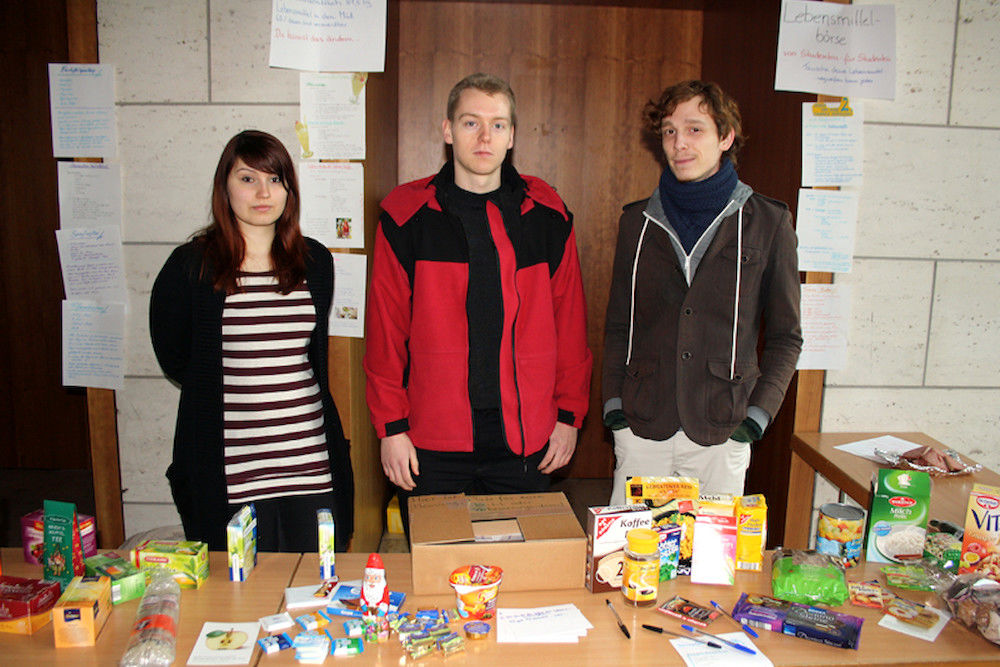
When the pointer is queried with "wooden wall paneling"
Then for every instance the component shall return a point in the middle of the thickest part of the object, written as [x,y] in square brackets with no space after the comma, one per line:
[381,174]
[739,52]
[581,75]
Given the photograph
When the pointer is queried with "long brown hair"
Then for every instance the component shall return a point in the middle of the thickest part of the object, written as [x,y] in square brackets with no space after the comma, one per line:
[224,244]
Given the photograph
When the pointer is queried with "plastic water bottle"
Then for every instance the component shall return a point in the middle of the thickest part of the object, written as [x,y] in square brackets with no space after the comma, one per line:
[153,641]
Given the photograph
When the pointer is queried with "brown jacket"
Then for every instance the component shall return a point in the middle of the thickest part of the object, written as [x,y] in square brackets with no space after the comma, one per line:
[669,357]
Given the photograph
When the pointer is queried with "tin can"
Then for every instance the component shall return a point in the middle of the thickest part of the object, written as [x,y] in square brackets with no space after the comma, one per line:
[839,532]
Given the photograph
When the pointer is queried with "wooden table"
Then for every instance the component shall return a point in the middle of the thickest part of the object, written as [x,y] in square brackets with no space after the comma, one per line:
[815,452]
[221,600]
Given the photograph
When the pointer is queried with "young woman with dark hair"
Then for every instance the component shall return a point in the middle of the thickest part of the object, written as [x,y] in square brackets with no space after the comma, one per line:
[238,318]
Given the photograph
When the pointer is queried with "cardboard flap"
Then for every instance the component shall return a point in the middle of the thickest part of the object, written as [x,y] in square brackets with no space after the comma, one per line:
[441,519]
[551,527]
[520,505]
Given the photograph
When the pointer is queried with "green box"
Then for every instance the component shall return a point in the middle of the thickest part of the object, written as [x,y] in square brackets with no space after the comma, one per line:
[187,560]
[241,542]
[127,582]
[897,521]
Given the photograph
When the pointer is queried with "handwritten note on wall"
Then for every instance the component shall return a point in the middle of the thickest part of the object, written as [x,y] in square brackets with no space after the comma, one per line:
[328,35]
[825,314]
[93,351]
[833,49]
[82,104]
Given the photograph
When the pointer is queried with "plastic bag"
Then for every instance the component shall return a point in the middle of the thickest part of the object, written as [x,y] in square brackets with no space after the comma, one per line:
[974,600]
[808,577]
[153,642]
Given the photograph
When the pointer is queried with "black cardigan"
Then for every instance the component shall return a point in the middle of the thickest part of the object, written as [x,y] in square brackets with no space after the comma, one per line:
[185,324]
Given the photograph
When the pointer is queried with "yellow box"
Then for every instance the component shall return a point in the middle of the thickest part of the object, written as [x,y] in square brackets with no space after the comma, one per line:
[751,532]
[81,612]
[393,519]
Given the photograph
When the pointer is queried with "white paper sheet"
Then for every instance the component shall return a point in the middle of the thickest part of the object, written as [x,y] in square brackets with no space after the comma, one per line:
[333,203]
[887,443]
[225,644]
[331,122]
[558,624]
[696,654]
[82,106]
[90,194]
[93,263]
[927,634]
[825,314]
[328,35]
[835,49]
[832,147]
[93,344]
[825,224]
[347,316]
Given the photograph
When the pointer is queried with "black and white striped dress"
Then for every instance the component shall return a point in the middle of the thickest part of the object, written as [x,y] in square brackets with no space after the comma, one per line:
[275,441]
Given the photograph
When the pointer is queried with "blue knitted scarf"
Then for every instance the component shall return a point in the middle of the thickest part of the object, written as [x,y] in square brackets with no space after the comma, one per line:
[692,206]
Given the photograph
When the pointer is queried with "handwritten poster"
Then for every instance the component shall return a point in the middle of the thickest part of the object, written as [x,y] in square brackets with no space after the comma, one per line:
[328,35]
[833,49]
[825,224]
[832,144]
[333,203]
[93,353]
[347,316]
[93,263]
[82,104]
[90,194]
[332,117]
[825,312]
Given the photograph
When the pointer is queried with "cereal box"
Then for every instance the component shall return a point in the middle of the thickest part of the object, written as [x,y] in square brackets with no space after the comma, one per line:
[606,528]
[187,560]
[127,581]
[82,611]
[26,604]
[241,542]
[897,522]
[751,531]
[981,544]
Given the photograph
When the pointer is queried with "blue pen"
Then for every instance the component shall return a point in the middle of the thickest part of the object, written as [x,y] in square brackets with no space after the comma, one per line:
[746,628]
[734,645]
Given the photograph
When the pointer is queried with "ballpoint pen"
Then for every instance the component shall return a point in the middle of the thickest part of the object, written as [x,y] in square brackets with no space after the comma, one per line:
[621,626]
[662,631]
[734,645]
[746,628]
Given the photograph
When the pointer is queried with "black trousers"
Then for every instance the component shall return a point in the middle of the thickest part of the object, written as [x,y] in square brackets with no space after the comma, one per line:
[289,523]
[490,468]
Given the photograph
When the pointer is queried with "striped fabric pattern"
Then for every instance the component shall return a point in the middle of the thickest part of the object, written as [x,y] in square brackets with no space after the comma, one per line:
[275,440]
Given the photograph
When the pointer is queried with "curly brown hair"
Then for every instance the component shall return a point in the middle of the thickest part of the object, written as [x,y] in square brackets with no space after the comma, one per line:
[720,106]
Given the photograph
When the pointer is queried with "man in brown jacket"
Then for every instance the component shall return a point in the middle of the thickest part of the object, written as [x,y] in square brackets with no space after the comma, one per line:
[699,265]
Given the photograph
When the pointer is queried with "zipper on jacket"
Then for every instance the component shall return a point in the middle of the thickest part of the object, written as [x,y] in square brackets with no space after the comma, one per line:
[517,386]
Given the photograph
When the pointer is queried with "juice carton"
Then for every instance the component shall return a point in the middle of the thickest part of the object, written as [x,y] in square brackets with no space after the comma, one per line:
[981,544]
[606,528]
[327,544]
[751,531]
[127,581]
[26,604]
[241,542]
[33,535]
[82,611]
[187,560]
[897,522]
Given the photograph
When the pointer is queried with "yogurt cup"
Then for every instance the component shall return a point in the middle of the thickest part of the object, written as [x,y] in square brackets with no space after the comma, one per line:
[476,588]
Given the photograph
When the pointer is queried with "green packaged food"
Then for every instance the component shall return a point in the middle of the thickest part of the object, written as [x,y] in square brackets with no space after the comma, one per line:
[808,577]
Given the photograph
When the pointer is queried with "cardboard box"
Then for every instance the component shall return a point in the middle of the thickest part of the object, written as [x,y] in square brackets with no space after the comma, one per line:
[981,543]
[551,553]
[897,521]
[82,611]
[187,560]
[241,542]
[127,582]
[33,535]
[26,604]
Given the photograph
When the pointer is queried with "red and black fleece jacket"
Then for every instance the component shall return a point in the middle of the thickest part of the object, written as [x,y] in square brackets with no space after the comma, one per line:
[417,357]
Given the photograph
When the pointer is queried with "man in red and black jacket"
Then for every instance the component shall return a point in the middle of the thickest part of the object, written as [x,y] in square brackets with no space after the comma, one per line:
[477,360]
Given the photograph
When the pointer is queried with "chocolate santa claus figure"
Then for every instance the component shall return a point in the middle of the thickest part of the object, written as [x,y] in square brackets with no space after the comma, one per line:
[374,594]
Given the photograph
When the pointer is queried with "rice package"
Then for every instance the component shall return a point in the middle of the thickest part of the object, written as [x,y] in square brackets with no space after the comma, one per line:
[981,543]
[897,521]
